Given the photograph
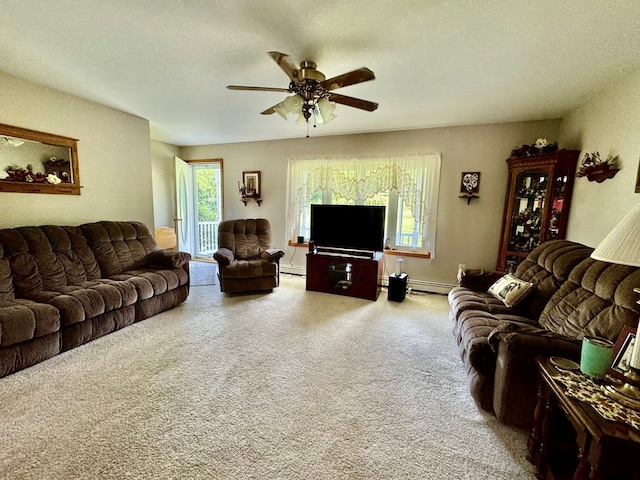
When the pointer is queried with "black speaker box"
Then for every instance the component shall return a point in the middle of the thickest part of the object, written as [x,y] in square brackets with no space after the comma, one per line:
[397,287]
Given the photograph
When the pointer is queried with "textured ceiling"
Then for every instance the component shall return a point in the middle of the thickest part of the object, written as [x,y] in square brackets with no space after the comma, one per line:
[437,63]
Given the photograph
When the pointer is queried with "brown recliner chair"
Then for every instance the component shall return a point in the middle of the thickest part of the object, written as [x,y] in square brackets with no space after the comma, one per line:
[246,261]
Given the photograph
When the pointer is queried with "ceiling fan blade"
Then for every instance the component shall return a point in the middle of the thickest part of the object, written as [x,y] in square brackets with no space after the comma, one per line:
[270,110]
[289,68]
[258,89]
[353,102]
[357,76]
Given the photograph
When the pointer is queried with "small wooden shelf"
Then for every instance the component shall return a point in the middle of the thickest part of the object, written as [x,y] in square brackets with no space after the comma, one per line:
[251,199]
[468,196]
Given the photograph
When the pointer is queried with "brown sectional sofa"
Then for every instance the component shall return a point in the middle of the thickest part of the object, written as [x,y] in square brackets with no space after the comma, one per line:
[63,286]
[573,296]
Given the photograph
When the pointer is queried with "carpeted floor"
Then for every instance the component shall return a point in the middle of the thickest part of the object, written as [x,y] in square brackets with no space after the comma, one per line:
[286,385]
[202,273]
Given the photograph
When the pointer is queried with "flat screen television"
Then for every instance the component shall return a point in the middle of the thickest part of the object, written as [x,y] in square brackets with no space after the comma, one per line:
[352,227]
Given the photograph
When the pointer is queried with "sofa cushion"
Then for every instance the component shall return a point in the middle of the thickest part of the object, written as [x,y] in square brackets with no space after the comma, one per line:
[119,246]
[77,303]
[23,320]
[249,269]
[510,290]
[462,299]
[547,267]
[150,282]
[6,279]
[474,316]
[73,252]
[46,258]
[168,259]
[247,239]
[24,269]
[597,300]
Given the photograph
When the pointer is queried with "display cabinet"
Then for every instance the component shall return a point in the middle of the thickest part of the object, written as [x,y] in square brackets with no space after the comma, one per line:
[537,203]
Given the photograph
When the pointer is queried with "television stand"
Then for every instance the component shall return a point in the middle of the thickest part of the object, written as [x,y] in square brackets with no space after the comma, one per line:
[339,273]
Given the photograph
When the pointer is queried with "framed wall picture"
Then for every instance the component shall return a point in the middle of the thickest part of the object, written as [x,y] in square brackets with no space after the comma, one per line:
[251,181]
[622,353]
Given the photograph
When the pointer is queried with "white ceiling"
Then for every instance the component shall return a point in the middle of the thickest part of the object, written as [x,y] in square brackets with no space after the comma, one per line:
[437,62]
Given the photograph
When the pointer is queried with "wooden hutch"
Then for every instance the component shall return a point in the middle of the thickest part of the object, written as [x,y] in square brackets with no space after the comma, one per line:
[537,204]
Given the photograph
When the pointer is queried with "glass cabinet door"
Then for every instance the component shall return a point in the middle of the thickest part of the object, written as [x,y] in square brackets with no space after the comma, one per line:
[557,204]
[528,210]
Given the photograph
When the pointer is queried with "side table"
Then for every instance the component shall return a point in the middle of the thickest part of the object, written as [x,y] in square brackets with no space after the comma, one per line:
[570,440]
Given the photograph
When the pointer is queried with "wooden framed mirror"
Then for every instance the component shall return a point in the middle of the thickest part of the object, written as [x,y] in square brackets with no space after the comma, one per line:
[38,162]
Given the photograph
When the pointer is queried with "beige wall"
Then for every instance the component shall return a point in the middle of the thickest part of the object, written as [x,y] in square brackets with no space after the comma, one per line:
[163,177]
[610,122]
[113,153]
[466,233]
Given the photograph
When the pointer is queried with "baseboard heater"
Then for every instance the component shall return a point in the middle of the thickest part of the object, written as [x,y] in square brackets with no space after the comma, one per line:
[426,286]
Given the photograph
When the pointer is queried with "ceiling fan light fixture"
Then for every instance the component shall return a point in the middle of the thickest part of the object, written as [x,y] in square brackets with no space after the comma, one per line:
[324,111]
[11,141]
[293,104]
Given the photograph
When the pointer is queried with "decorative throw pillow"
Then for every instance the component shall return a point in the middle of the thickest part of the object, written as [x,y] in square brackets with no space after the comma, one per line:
[510,290]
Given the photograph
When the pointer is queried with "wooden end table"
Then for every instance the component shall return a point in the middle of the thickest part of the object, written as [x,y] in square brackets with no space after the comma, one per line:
[570,440]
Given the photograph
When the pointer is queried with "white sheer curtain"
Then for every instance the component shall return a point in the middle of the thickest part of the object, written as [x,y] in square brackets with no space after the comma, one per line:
[414,179]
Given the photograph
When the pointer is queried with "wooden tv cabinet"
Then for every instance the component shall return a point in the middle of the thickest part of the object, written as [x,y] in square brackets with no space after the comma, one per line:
[329,273]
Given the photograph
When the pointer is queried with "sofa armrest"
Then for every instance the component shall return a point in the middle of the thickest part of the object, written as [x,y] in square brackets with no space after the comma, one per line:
[478,280]
[223,256]
[168,259]
[515,386]
[272,254]
[531,341]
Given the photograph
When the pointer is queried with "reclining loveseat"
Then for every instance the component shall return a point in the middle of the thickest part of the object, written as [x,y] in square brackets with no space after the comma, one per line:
[63,286]
[570,296]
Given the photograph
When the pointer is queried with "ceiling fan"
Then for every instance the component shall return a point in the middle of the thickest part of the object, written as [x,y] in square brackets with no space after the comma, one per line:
[313,93]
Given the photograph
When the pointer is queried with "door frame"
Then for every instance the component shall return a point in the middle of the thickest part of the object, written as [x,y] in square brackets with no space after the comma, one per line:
[189,243]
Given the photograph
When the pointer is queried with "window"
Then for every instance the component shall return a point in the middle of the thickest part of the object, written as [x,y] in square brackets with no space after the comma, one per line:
[407,185]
